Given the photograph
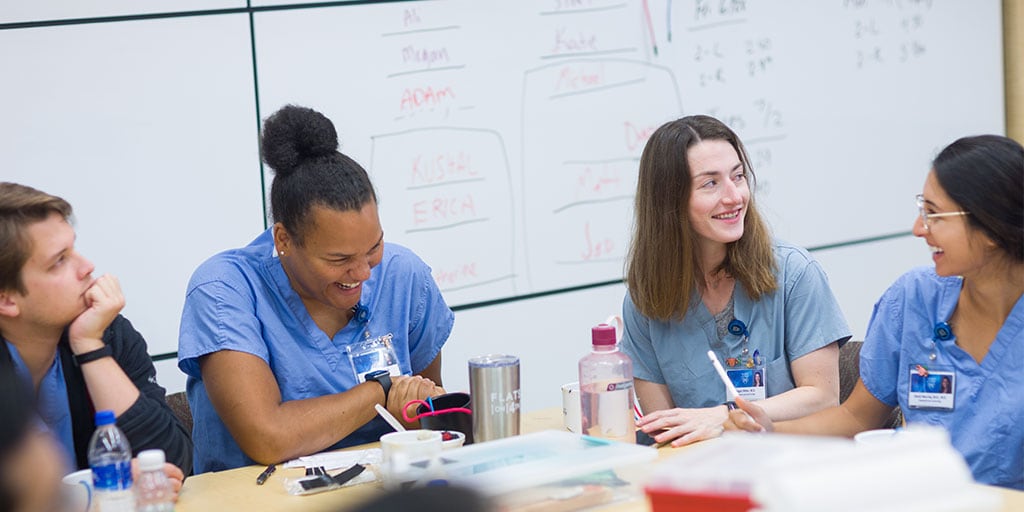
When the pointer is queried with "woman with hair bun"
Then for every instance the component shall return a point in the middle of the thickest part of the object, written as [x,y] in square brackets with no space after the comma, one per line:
[961,321]
[289,342]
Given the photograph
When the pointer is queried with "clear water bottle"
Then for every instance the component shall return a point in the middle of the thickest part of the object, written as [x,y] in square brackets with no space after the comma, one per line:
[153,491]
[606,389]
[110,457]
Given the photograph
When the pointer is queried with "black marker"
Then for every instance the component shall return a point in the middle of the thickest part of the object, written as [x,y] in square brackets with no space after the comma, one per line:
[266,474]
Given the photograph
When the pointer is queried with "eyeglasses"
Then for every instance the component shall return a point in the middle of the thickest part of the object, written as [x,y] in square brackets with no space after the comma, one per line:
[926,218]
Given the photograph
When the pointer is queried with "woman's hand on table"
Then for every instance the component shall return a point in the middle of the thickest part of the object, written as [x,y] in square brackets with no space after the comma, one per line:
[684,426]
[748,416]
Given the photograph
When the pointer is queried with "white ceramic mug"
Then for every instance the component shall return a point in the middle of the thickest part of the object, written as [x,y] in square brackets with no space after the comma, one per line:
[571,407]
[77,490]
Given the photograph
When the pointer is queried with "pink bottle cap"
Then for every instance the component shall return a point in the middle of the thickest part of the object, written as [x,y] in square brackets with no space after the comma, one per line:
[603,334]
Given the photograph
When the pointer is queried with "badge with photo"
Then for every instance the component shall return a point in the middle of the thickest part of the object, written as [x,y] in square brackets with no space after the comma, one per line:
[931,388]
[372,355]
[749,382]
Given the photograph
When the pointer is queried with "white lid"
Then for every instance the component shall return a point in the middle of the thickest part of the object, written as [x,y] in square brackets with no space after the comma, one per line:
[151,460]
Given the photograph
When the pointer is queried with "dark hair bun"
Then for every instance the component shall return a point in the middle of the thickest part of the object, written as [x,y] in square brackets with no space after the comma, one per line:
[294,134]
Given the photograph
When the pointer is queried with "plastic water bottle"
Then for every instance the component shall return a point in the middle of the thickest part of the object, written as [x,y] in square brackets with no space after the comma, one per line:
[606,389]
[153,491]
[110,457]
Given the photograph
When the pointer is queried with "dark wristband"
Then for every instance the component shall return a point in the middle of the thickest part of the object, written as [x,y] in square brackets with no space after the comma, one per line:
[91,356]
[382,377]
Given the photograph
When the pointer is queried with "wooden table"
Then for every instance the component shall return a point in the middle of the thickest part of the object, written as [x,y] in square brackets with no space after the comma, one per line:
[236,489]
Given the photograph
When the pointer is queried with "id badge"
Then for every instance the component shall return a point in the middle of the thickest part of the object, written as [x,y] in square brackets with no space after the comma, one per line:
[372,355]
[749,382]
[931,388]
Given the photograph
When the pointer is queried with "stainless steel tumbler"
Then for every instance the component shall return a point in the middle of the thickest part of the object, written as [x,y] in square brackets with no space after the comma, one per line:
[494,395]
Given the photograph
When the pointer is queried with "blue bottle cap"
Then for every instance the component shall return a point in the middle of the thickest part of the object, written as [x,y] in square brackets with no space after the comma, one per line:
[105,417]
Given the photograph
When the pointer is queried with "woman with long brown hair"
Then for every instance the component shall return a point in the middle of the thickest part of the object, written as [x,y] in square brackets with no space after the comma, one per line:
[704,273]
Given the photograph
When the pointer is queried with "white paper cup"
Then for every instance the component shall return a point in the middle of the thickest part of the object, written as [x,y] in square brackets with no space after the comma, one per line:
[401,450]
[413,445]
[882,435]
[571,407]
[77,491]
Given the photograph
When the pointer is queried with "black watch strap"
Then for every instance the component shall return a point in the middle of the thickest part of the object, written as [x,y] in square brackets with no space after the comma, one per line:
[382,377]
[93,355]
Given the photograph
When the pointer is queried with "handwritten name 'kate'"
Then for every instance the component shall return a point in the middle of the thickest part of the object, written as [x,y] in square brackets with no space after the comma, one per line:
[573,43]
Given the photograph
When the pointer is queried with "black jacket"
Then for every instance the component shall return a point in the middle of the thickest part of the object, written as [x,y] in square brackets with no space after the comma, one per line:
[148,423]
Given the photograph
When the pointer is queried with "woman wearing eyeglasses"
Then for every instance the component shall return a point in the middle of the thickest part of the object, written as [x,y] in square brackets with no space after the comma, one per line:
[962,320]
[705,274]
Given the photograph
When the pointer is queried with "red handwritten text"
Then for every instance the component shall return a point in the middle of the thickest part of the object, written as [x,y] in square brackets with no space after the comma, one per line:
[443,209]
[593,180]
[417,98]
[595,249]
[430,169]
[456,274]
[636,136]
[571,78]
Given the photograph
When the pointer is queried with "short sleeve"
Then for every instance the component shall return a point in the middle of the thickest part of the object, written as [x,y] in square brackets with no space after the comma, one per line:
[880,354]
[813,318]
[217,317]
[431,323]
[637,344]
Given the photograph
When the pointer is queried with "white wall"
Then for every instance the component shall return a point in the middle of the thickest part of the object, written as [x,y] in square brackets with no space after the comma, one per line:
[860,273]
[549,334]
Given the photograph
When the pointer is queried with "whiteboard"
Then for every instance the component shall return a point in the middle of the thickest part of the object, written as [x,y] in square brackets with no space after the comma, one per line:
[150,136]
[503,136]
[44,11]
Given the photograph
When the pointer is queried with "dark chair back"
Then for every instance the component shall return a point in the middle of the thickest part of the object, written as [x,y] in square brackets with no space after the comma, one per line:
[849,374]
[179,404]
[849,368]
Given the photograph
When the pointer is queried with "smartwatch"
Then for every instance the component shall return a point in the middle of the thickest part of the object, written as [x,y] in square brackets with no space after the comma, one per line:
[382,377]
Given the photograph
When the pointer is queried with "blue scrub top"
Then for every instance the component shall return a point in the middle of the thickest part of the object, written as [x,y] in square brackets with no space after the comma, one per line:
[242,300]
[51,401]
[799,317]
[986,424]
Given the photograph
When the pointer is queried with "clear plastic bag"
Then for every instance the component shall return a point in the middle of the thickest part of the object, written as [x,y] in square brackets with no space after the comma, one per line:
[313,484]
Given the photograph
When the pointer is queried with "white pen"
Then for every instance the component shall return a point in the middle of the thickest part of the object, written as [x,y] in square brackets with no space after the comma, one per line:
[730,390]
[389,418]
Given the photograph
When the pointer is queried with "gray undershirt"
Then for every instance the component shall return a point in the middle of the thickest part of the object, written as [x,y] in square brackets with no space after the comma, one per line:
[723,318]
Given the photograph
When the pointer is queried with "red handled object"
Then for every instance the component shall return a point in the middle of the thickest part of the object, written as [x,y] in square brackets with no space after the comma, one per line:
[426,406]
